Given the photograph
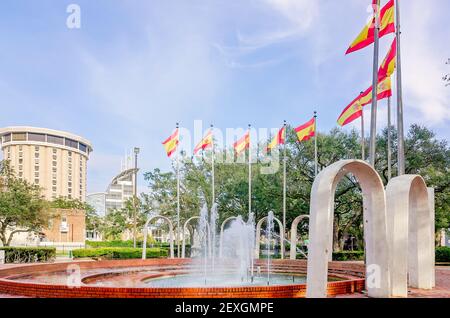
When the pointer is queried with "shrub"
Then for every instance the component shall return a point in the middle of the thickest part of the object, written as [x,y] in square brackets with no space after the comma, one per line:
[348,256]
[443,254]
[29,254]
[118,253]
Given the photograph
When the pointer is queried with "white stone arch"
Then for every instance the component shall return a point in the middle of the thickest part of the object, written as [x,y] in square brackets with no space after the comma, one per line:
[375,228]
[295,223]
[258,236]
[411,234]
[183,249]
[145,230]
[222,227]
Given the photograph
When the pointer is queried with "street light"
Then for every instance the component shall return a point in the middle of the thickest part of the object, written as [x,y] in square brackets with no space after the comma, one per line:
[136,152]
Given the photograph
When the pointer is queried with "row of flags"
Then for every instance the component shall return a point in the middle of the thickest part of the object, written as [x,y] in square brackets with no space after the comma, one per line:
[304,133]
[355,108]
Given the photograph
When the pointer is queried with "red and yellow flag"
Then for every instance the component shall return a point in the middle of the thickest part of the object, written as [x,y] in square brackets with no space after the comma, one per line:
[388,66]
[171,143]
[306,131]
[242,144]
[206,142]
[354,110]
[278,139]
[367,35]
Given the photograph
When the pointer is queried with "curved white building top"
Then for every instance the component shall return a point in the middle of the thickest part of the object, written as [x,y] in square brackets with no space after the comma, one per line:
[26,135]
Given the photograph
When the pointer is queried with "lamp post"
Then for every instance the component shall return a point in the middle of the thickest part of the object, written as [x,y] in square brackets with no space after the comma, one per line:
[136,152]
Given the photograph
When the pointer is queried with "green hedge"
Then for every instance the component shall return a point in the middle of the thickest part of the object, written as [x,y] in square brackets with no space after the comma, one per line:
[118,253]
[129,243]
[348,256]
[29,254]
[443,254]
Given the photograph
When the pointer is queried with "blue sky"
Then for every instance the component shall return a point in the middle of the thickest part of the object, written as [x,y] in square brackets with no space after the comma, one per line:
[136,67]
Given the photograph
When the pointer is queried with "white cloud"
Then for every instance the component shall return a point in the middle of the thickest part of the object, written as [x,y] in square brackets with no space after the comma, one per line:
[423,57]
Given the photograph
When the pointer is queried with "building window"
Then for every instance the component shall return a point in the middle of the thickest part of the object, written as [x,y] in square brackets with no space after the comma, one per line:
[20,167]
[36,181]
[70,166]
[70,153]
[7,138]
[69,190]
[19,136]
[71,143]
[36,161]
[69,196]
[20,161]
[55,140]
[36,168]
[20,154]
[20,174]
[54,189]
[83,147]
[54,170]
[54,163]
[54,176]
[36,148]
[36,154]
[36,137]
[36,174]
[55,150]
[70,159]
[54,182]
[55,157]
[69,184]
[70,178]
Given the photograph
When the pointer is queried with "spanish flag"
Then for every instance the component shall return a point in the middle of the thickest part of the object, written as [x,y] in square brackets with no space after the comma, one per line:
[171,143]
[367,35]
[242,144]
[278,139]
[206,142]
[306,131]
[354,110]
[388,66]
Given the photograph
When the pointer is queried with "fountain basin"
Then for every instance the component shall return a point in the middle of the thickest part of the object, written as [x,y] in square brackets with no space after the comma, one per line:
[139,279]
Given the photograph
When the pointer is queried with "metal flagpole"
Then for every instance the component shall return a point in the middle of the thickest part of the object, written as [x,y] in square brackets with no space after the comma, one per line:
[249,173]
[389,142]
[284,178]
[178,194]
[373,117]
[316,159]
[212,170]
[400,131]
[363,142]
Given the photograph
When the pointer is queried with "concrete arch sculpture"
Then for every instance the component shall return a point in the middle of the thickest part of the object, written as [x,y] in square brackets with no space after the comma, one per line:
[375,228]
[144,245]
[222,227]
[258,236]
[295,223]
[183,249]
[411,232]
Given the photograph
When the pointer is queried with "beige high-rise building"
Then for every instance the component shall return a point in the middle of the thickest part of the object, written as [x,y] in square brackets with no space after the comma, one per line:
[55,160]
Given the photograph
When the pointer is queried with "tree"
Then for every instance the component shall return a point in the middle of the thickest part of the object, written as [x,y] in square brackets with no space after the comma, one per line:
[120,221]
[23,209]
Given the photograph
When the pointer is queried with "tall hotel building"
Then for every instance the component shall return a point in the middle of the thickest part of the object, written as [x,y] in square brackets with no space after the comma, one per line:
[54,160]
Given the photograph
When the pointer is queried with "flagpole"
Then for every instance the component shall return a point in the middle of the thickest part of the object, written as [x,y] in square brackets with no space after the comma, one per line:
[373,117]
[363,142]
[284,178]
[316,159]
[178,194]
[400,130]
[249,173]
[212,170]
[389,142]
